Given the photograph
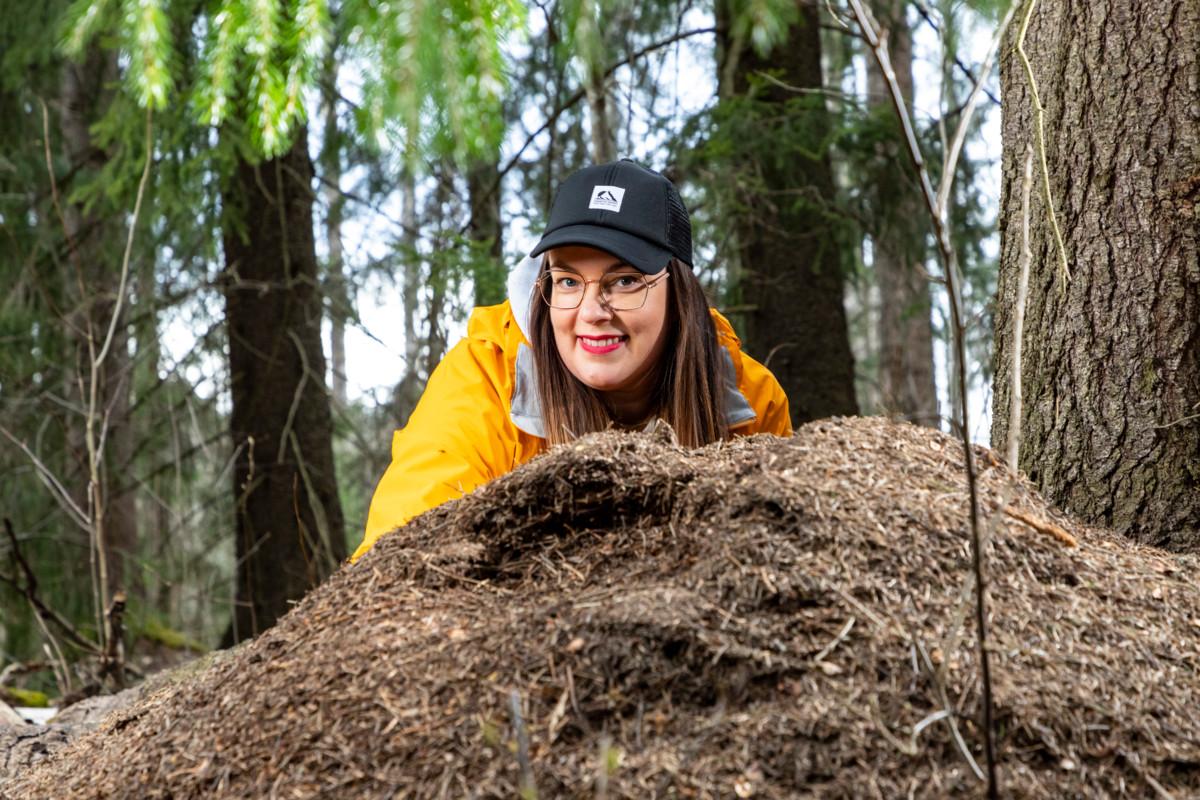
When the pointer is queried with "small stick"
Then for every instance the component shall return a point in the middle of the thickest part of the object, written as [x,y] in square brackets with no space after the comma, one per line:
[602,768]
[1045,527]
[21,668]
[949,709]
[837,640]
[528,787]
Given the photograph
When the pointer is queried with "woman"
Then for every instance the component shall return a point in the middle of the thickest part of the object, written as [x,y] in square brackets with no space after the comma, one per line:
[605,326]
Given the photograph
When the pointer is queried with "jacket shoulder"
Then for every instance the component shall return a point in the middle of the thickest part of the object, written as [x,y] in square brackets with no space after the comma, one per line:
[756,384]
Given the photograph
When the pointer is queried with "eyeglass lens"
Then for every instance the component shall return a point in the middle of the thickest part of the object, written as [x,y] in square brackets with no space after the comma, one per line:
[620,292]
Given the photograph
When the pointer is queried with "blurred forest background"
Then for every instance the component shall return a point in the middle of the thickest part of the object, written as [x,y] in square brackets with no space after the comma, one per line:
[238,235]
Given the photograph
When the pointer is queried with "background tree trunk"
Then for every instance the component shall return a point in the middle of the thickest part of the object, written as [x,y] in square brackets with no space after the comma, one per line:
[790,278]
[340,301]
[290,532]
[408,389]
[600,115]
[489,273]
[906,383]
[1111,360]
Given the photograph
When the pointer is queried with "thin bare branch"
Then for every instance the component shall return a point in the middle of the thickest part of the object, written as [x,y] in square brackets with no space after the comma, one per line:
[923,9]
[1018,331]
[77,514]
[870,30]
[960,132]
[137,210]
[29,588]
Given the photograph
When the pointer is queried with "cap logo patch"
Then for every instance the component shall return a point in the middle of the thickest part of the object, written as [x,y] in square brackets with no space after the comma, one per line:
[607,198]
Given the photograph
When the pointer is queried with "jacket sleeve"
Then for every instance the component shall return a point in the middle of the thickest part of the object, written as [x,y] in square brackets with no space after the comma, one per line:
[766,397]
[456,439]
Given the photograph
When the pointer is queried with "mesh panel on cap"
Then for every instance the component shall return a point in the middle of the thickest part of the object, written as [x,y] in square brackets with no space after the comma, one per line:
[679,228]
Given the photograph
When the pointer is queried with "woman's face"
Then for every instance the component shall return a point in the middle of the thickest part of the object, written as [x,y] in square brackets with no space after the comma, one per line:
[615,352]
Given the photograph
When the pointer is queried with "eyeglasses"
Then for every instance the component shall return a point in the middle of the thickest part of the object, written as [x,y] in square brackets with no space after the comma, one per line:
[620,292]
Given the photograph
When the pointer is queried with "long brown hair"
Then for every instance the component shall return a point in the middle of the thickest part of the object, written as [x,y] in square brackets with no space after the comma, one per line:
[689,392]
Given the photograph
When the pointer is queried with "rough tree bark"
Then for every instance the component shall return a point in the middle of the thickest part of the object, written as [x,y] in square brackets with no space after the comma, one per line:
[906,383]
[1110,426]
[790,278]
[290,532]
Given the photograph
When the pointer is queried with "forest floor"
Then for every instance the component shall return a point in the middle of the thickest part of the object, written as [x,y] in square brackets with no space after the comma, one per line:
[767,618]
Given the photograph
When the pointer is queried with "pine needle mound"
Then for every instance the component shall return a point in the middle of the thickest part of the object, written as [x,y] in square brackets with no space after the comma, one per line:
[764,618]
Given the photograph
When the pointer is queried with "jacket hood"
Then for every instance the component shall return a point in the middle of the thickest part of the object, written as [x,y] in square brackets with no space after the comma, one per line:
[520,291]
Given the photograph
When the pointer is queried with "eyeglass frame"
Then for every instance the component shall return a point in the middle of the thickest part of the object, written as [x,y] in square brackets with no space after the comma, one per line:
[606,301]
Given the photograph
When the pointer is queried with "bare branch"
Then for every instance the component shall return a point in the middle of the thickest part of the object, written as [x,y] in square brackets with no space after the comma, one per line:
[137,210]
[29,588]
[923,10]
[949,258]
[960,132]
[1018,331]
[63,497]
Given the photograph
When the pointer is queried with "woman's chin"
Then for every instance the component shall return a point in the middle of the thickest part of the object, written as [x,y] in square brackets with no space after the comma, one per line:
[602,380]
[602,384]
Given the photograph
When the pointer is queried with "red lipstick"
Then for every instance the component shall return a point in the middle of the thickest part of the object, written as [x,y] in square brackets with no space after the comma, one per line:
[600,345]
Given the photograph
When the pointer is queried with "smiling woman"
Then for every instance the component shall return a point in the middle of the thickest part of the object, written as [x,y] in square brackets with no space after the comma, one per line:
[610,340]
[605,326]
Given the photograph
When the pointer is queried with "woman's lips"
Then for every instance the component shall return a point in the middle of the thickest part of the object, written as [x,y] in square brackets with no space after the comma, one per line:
[600,344]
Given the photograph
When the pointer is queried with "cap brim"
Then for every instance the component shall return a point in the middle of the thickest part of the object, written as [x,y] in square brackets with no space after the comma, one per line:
[633,250]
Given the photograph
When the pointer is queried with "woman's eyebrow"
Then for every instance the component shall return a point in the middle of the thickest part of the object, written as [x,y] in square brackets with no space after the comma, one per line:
[616,265]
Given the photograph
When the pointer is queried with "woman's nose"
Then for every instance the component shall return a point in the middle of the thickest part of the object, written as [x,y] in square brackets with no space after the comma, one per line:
[594,306]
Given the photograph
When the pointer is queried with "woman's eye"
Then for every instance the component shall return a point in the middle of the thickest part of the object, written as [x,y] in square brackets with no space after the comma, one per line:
[625,282]
[566,283]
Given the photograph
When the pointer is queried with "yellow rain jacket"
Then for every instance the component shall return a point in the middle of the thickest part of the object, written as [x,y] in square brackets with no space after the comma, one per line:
[480,418]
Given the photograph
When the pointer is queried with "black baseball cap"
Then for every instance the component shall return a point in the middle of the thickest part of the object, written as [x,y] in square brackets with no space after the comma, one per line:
[621,208]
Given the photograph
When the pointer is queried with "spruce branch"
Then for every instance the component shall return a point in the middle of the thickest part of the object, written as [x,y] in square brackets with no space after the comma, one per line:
[936,210]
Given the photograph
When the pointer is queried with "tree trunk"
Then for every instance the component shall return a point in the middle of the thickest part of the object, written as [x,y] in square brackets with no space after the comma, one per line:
[1109,427]
[340,301]
[408,389]
[906,383]
[604,135]
[790,281]
[290,532]
[483,179]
